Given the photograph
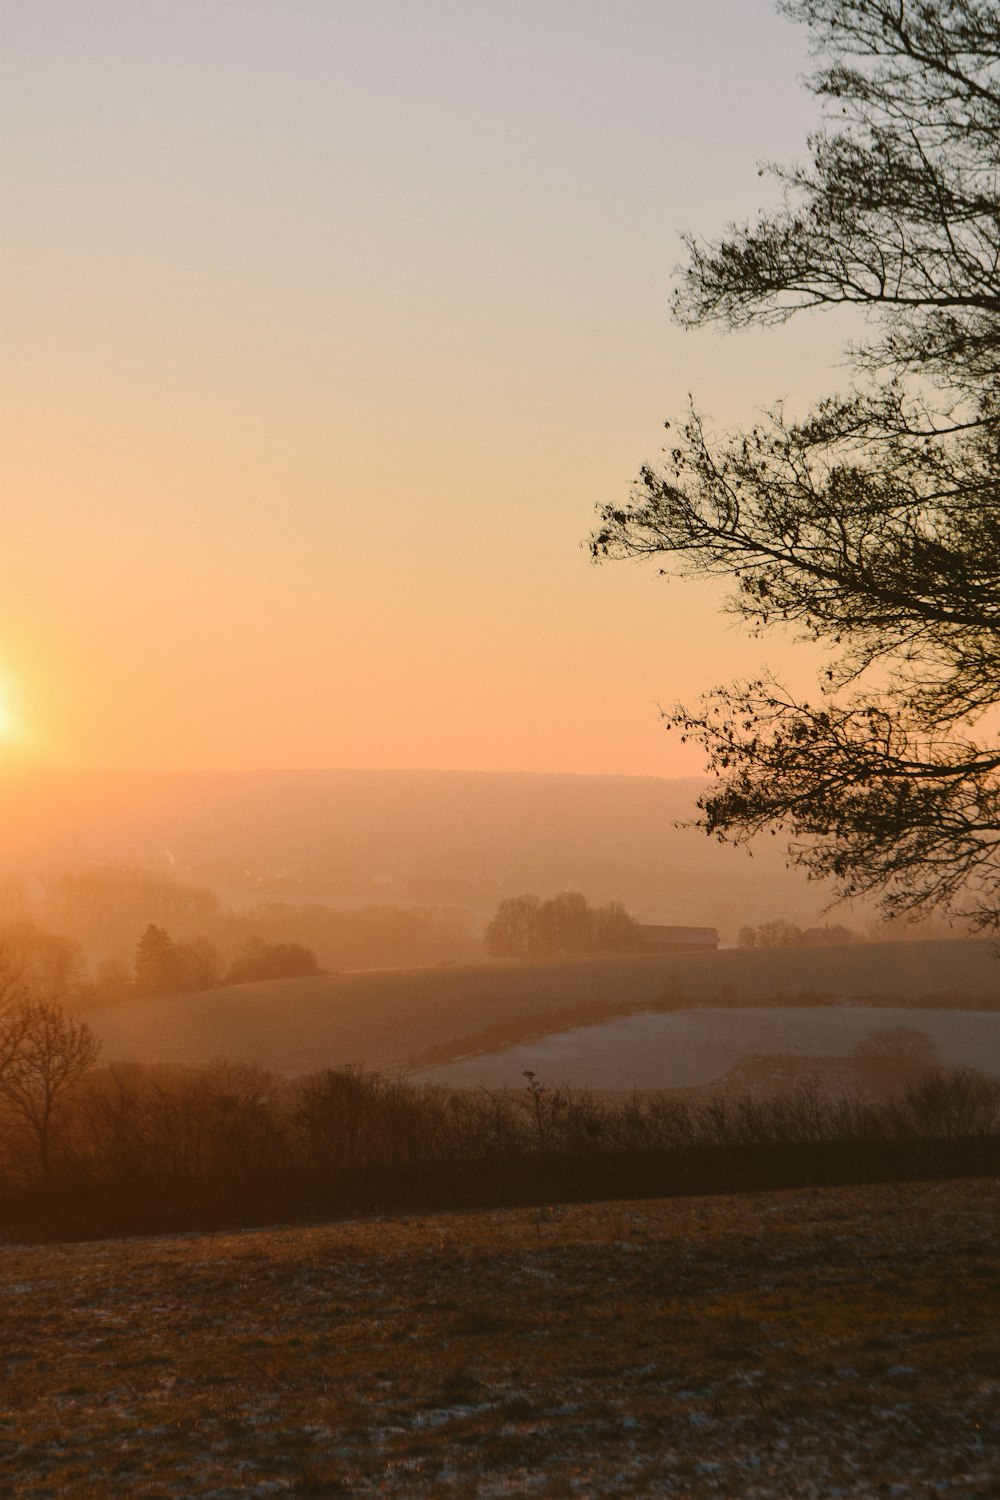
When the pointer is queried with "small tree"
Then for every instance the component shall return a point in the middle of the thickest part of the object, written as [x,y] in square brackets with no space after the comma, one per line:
[47,962]
[199,965]
[12,988]
[565,924]
[895,1056]
[260,960]
[163,967]
[157,969]
[512,932]
[779,934]
[953,1104]
[43,1055]
[614,931]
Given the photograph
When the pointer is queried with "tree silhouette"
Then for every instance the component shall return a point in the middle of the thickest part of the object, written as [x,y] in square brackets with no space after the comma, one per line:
[43,1055]
[157,969]
[873,524]
[511,932]
[259,960]
[524,926]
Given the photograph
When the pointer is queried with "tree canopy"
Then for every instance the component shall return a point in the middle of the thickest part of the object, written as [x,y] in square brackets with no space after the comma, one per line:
[43,1056]
[871,523]
[525,927]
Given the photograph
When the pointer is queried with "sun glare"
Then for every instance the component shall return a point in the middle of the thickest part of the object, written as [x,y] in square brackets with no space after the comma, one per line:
[8,721]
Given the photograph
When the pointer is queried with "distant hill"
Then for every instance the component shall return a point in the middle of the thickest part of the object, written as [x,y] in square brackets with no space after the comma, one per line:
[355,838]
[389,1018]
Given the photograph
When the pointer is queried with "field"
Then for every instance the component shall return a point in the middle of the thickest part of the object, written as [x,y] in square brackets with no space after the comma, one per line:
[395,1019]
[688,1048]
[836,1342]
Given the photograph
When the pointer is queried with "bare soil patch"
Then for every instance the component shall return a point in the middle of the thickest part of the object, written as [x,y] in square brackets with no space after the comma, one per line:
[817,1343]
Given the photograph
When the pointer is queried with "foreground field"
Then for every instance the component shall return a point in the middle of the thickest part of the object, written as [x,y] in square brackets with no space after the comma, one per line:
[819,1343]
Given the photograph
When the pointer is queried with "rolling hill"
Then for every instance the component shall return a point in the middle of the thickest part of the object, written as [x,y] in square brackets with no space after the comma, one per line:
[356,838]
[391,1019]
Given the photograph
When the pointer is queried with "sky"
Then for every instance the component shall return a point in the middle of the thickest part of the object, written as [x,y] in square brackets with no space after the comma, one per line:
[324,328]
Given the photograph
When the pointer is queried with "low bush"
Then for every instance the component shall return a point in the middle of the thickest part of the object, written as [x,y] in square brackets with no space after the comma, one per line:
[150,1149]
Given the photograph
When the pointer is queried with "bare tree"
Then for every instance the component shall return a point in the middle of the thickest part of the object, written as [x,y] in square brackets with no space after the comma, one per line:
[512,931]
[873,524]
[43,1055]
[895,1056]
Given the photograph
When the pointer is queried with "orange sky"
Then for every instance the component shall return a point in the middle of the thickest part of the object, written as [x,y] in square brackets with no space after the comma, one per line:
[325,329]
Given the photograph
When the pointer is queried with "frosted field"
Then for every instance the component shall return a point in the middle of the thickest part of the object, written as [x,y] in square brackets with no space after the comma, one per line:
[679,1049]
[811,1344]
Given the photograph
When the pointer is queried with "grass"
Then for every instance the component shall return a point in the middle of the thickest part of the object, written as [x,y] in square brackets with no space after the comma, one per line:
[816,1343]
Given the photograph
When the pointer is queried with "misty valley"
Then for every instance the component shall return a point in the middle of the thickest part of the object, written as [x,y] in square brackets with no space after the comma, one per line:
[543,1047]
[499,784]
[504,1105]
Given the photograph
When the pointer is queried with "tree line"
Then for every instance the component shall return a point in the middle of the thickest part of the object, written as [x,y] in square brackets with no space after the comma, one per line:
[88,1149]
[164,967]
[781,933]
[103,935]
[526,927]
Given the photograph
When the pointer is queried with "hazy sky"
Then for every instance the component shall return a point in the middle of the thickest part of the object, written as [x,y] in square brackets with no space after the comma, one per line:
[326,324]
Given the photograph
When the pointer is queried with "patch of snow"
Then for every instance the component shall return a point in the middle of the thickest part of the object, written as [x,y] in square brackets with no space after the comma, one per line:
[680,1049]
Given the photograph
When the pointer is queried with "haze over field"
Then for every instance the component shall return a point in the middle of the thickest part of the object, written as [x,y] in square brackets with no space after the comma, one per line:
[411,525]
[326,329]
[357,838]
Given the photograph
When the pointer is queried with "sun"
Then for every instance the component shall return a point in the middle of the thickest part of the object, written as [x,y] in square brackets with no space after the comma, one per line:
[9,728]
